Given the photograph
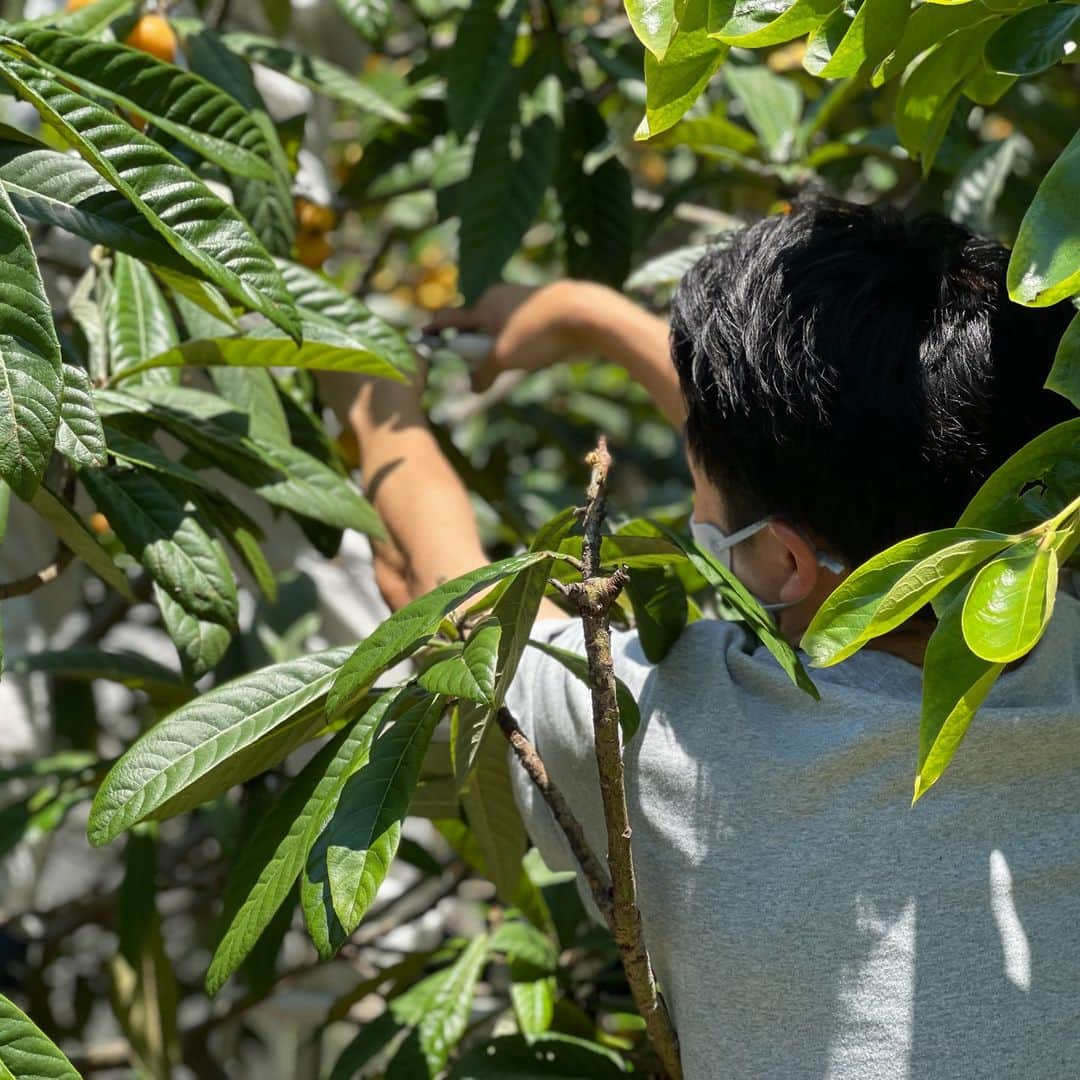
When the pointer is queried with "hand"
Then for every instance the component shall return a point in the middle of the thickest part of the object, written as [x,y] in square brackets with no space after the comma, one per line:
[531,328]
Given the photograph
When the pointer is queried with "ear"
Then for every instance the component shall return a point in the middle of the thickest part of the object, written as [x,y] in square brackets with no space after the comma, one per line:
[802,563]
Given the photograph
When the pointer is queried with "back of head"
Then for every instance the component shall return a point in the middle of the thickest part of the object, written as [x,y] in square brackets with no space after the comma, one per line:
[857,372]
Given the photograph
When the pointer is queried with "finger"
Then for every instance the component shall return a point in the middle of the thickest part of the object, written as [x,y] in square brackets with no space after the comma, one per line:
[485,374]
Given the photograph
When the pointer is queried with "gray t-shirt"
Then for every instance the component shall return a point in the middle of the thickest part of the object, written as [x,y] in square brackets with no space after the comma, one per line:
[804,920]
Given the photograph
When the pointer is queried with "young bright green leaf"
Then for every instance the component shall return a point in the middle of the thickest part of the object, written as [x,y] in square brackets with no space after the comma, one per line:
[751,24]
[31,379]
[539,1058]
[826,38]
[139,321]
[164,534]
[26,1053]
[955,683]
[1010,602]
[660,610]
[273,858]
[1045,263]
[362,835]
[1035,40]
[469,674]
[64,520]
[1040,479]
[185,106]
[928,24]
[675,83]
[629,715]
[320,75]
[213,729]
[1064,377]
[533,999]
[891,587]
[325,347]
[411,626]
[523,943]
[207,232]
[874,32]
[653,21]
[80,437]
[200,643]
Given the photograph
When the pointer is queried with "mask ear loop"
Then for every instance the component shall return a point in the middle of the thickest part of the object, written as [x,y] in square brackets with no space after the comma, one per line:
[835,566]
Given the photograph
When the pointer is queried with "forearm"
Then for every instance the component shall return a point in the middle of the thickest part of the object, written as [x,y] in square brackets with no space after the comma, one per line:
[606,322]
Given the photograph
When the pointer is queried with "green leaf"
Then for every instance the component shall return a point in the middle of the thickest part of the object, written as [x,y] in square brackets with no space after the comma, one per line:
[31,380]
[129,669]
[928,24]
[88,20]
[361,837]
[874,32]
[754,23]
[124,448]
[1064,377]
[512,165]
[197,300]
[185,106]
[477,65]
[63,519]
[1039,480]
[660,610]
[1010,602]
[200,644]
[370,1039]
[1035,40]
[244,537]
[207,232]
[314,293]
[773,106]
[139,321]
[673,84]
[370,17]
[469,674]
[1045,263]
[890,588]
[254,392]
[26,1053]
[533,1000]
[49,186]
[411,626]
[543,1056]
[80,436]
[325,348]
[629,714]
[974,193]
[164,534]
[666,270]
[213,730]
[653,21]
[273,858]
[320,75]
[447,1013]
[955,683]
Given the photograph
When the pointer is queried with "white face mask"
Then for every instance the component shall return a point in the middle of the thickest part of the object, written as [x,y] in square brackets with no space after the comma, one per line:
[719,544]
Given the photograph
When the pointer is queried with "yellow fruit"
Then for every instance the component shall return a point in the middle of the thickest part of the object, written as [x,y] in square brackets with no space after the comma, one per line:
[432,295]
[99,523]
[996,127]
[787,57]
[313,217]
[312,249]
[653,168]
[152,34]
[74,5]
[349,447]
[430,256]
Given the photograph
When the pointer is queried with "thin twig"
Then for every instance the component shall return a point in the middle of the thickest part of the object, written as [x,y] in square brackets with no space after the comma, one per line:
[32,582]
[575,836]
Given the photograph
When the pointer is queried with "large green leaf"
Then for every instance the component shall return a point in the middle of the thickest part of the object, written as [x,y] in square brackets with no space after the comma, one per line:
[1010,602]
[187,107]
[271,861]
[314,293]
[660,610]
[64,520]
[1035,40]
[653,22]
[928,25]
[139,321]
[325,347]
[202,228]
[254,392]
[163,532]
[754,23]
[64,191]
[369,1040]
[91,18]
[675,83]
[200,643]
[539,1058]
[322,76]
[955,683]
[31,380]
[283,475]
[469,674]
[1064,377]
[1045,263]
[873,33]
[476,67]
[772,105]
[1039,480]
[212,730]
[362,835]
[80,437]
[26,1053]
[130,669]
[412,626]
[891,587]
[512,165]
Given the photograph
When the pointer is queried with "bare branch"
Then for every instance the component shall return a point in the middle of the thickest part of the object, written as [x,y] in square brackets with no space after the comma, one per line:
[32,582]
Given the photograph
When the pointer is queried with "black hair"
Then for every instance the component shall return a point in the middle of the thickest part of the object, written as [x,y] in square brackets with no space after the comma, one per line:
[858,373]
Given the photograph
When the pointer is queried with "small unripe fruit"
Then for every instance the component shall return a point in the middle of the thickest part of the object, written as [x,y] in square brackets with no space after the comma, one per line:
[152,34]
[312,250]
[312,217]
